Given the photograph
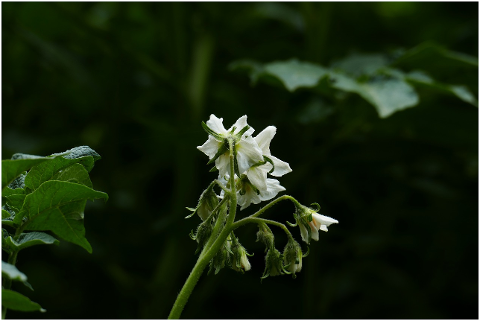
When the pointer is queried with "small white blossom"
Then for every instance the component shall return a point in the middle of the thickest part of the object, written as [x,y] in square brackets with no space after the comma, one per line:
[248,152]
[319,222]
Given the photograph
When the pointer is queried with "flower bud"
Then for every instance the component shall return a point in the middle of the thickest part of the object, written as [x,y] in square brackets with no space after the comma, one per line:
[239,259]
[273,264]
[204,230]
[292,256]
[265,235]
[206,203]
[222,256]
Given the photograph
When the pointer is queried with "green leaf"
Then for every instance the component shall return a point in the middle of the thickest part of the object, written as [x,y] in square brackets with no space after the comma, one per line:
[7,216]
[361,64]
[387,94]
[58,206]
[294,74]
[291,73]
[75,173]
[79,152]
[16,301]
[420,78]
[30,239]
[15,201]
[7,191]
[10,271]
[47,171]
[253,68]
[428,51]
[12,168]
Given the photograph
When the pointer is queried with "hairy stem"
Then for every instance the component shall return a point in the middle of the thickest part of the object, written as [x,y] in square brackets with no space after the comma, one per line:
[209,251]
[275,201]
[257,220]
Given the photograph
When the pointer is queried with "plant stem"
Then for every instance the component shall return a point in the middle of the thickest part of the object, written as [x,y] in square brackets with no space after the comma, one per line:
[251,219]
[266,207]
[208,251]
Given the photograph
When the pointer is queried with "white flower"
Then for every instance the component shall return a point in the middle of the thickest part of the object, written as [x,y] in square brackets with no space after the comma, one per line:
[251,196]
[263,140]
[319,222]
[248,152]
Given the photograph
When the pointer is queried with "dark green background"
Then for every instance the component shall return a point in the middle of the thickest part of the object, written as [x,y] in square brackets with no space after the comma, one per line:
[134,80]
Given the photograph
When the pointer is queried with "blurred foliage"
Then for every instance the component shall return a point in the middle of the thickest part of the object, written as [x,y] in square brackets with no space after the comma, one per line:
[134,81]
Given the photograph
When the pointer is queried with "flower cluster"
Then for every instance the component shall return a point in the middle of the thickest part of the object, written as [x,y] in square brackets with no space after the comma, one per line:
[253,159]
[237,152]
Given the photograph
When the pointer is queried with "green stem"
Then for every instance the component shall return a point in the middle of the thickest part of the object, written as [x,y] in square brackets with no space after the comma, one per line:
[208,251]
[257,220]
[275,201]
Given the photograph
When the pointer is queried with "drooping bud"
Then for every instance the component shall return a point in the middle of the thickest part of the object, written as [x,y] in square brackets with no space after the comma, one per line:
[204,230]
[274,264]
[292,256]
[223,256]
[239,258]
[265,235]
[206,203]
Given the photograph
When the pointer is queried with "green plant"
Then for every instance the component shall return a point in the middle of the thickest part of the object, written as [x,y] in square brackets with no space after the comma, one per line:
[243,162]
[380,78]
[42,194]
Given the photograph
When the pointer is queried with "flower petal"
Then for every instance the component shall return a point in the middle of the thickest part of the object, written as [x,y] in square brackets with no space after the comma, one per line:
[248,198]
[281,167]
[303,233]
[273,188]
[248,153]
[314,234]
[264,138]
[223,165]
[210,147]
[258,177]
[216,124]
[323,220]
[240,124]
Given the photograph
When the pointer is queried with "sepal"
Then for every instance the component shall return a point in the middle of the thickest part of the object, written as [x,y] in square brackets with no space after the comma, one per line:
[292,257]
[265,235]
[274,264]
[211,132]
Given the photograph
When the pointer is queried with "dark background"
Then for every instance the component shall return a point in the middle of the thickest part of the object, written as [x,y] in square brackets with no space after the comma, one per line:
[134,80]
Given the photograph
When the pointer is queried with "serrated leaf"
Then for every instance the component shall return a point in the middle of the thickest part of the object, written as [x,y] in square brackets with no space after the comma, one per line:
[75,173]
[294,74]
[12,168]
[10,271]
[30,239]
[47,171]
[16,301]
[387,94]
[58,206]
